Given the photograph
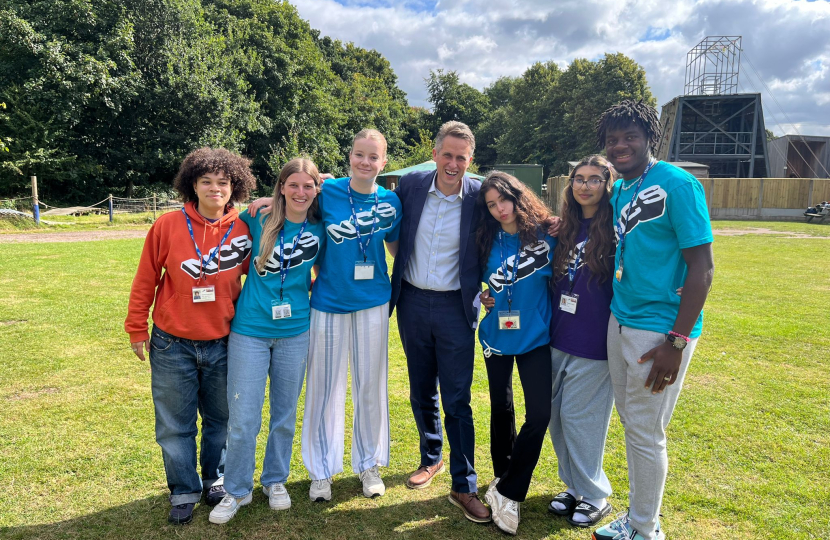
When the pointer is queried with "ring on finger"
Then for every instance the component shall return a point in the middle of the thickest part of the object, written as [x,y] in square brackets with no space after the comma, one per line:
[668,378]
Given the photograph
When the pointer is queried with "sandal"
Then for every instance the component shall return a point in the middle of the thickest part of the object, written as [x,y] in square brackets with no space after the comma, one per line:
[563,498]
[591,512]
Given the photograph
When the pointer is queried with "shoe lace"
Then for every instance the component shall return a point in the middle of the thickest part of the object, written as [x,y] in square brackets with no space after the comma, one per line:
[371,473]
[227,500]
[512,507]
[620,524]
[276,489]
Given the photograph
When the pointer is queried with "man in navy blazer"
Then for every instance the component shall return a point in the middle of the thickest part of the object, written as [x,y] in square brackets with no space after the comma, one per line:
[435,286]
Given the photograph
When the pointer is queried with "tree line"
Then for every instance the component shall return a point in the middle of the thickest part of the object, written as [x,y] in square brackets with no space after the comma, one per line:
[103,96]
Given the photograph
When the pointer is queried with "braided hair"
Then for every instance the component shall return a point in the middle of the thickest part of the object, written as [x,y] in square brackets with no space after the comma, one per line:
[628,112]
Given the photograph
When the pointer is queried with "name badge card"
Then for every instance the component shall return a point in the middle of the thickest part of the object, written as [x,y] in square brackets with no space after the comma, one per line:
[509,320]
[204,294]
[364,270]
[280,310]
[567,303]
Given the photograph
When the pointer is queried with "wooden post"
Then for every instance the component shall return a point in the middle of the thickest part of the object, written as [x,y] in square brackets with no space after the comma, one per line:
[35,207]
[711,195]
[810,195]
[109,206]
[761,198]
[154,207]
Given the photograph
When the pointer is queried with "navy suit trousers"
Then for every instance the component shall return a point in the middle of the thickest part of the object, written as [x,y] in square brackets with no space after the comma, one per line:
[440,352]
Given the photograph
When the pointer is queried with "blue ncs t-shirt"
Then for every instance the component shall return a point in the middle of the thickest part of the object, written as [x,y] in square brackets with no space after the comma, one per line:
[530,296]
[584,333]
[253,309]
[336,290]
[669,215]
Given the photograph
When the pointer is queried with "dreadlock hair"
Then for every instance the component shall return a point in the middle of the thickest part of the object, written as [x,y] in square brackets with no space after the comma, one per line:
[531,212]
[628,112]
[598,254]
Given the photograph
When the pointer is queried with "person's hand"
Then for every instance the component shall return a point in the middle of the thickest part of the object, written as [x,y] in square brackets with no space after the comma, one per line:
[139,347]
[666,364]
[486,300]
[262,204]
[553,224]
[326,176]
[679,291]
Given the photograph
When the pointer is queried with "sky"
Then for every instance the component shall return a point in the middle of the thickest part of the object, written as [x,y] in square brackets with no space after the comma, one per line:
[786,44]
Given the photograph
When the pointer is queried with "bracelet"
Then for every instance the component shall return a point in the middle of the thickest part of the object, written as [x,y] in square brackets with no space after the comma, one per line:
[676,334]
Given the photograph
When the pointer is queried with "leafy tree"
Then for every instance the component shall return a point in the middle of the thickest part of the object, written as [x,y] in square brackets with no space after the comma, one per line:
[453,100]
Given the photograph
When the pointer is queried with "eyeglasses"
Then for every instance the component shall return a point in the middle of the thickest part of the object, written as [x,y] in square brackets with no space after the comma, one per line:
[592,183]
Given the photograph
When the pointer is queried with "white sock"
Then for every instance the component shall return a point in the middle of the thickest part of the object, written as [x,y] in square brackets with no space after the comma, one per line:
[581,518]
[559,506]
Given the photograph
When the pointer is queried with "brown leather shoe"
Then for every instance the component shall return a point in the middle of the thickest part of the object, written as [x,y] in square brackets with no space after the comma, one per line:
[473,509]
[423,476]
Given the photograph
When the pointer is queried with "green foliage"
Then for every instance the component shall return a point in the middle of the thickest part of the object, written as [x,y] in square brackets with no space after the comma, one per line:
[453,100]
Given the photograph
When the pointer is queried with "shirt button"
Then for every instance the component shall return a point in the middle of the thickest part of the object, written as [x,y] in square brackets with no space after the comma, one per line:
[440,215]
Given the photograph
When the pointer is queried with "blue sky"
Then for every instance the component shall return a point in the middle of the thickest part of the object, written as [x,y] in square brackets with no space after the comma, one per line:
[786,47]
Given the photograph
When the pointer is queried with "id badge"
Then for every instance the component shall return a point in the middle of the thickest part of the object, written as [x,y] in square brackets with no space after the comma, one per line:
[567,303]
[204,294]
[509,320]
[364,270]
[280,310]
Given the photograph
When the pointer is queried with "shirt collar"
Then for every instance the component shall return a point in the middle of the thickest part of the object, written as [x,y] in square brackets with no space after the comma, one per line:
[449,198]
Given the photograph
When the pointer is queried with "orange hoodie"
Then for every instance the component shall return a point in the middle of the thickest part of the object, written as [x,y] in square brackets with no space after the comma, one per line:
[170,249]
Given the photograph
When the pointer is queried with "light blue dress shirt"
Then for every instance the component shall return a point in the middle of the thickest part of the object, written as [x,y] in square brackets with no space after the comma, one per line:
[434,264]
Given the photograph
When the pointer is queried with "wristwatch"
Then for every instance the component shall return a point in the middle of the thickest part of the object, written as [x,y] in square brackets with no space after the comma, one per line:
[677,342]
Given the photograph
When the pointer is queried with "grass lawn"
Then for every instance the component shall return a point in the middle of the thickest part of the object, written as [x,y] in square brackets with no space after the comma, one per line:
[749,443]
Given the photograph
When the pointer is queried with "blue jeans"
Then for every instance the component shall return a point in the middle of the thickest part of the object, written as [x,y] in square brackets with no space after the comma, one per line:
[189,376]
[251,362]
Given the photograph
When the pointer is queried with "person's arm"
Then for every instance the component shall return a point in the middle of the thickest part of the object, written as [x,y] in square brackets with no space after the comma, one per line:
[142,294]
[392,247]
[263,204]
[666,358]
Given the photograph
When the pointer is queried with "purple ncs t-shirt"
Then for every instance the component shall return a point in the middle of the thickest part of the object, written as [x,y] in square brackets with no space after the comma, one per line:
[582,334]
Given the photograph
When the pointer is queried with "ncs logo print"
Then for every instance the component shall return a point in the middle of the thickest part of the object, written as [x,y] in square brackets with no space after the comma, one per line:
[306,250]
[650,204]
[345,230]
[572,255]
[230,256]
[532,257]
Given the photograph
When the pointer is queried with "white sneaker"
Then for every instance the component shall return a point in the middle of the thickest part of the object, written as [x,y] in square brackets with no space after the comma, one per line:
[320,490]
[227,508]
[278,498]
[491,487]
[505,511]
[372,484]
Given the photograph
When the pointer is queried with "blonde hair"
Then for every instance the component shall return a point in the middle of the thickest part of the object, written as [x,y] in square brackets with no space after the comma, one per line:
[372,134]
[456,129]
[275,221]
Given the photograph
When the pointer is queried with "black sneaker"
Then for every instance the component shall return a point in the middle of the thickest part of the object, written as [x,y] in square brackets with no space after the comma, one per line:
[181,514]
[214,495]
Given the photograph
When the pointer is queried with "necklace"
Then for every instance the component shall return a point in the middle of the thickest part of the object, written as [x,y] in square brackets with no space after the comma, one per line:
[629,186]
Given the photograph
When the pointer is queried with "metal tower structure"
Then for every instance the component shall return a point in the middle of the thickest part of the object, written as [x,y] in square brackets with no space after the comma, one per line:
[713,66]
[712,123]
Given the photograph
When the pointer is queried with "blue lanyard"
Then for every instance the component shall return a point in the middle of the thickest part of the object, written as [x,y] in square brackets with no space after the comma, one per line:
[509,284]
[212,253]
[572,271]
[363,247]
[620,232]
[283,268]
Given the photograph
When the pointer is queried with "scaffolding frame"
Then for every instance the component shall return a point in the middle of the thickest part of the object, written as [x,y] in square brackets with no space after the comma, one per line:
[713,66]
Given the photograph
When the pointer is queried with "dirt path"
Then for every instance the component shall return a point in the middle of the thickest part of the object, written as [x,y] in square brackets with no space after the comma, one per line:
[72,236]
[758,230]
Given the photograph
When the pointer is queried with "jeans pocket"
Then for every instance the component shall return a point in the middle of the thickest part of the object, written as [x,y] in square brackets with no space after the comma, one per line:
[159,342]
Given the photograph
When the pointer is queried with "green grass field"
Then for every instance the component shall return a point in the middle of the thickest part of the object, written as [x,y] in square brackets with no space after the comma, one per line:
[749,444]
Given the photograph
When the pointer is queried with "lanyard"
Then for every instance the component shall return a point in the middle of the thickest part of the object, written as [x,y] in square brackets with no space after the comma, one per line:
[283,268]
[509,284]
[572,271]
[622,231]
[212,253]
[363,247]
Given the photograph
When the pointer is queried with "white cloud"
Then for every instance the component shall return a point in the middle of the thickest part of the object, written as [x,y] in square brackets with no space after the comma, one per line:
[785,43]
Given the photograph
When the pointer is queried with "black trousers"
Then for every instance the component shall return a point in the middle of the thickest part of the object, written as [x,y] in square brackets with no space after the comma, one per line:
[515,457]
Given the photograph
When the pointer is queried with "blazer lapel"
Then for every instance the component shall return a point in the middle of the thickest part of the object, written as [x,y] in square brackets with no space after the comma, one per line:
[419,199]
[468,204]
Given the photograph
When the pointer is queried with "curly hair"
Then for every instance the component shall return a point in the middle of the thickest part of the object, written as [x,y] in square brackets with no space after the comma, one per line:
[628,112]
[212,160]
[531,213]
[599,252]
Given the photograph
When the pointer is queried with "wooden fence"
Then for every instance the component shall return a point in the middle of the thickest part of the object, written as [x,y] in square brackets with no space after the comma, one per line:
[740,197]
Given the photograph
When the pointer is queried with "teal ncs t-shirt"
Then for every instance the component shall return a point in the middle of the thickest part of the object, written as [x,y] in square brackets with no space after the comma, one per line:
[530,296]
[253,309]
[336,290]
[669,215]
